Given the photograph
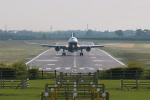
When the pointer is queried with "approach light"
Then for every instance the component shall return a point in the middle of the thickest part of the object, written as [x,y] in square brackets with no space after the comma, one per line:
[52,89]
[67,81]
[91,83]
[98,89]
[58,83]
[55,85]
[46,94]
[75,94]
[103,95]
[93,86]
[74,89]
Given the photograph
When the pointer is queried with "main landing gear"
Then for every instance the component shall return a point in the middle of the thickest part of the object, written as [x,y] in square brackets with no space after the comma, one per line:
[81,54]
[63,54]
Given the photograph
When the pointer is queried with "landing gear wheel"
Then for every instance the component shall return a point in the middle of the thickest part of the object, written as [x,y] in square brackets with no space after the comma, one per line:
[63,54]
[81,54]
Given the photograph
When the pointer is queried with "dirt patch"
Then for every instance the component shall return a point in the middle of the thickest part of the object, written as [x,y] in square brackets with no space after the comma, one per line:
[147,46]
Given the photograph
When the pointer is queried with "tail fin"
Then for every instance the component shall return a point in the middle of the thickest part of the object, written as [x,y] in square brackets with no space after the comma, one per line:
[72,34]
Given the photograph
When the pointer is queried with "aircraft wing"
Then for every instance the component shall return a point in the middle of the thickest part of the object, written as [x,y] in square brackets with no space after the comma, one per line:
[95,46]
[48,45]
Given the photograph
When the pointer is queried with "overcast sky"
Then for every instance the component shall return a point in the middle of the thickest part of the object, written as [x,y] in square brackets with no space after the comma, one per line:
[39,15]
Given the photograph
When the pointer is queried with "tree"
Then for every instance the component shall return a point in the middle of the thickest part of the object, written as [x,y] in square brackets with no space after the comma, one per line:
[140,33]
[89,32]
[119,33]
[147,32]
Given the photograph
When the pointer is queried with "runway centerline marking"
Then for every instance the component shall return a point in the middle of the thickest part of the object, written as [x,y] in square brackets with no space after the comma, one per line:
[37,56]
[46,60]
[74,62]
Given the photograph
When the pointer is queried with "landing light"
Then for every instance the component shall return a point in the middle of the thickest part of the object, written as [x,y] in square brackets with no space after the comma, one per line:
[66,46]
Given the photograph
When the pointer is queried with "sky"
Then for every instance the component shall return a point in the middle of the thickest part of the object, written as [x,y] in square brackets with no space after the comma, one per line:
[100,15]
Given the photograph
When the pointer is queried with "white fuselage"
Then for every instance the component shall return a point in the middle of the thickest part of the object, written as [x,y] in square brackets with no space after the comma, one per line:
[72,44]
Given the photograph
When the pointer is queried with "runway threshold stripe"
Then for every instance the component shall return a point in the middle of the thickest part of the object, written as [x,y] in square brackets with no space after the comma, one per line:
[56,57]
[48,68]
[93,57]
[37,57]
[98,61]
[98,64]
[113,58]
[46,60]
[51,64]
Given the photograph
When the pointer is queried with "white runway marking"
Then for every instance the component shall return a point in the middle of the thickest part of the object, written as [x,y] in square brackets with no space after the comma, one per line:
[74,62]
[98,64]
[100,68]
[56,57]
[51,64]
[58,54]
[98,61]
[37,56]
[48,68]
[113,58]
[58,68]
[46,60]
[81,68]
[68,68]
[40,68]
[91,54]
[91,68]
[93,57]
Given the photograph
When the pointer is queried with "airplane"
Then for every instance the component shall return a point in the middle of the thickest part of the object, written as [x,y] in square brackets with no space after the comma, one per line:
[72,46]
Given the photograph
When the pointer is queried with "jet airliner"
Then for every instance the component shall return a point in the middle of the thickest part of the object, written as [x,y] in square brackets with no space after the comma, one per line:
[72,46]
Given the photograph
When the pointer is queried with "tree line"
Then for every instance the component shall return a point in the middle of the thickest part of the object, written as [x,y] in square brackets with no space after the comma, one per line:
[90,34]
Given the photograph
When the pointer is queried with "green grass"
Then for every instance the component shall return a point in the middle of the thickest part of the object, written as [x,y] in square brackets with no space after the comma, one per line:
[138,53]
[32,93]
[19,49]
[37,86]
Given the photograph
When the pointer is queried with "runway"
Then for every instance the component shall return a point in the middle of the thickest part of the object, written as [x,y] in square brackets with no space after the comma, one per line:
[94,60]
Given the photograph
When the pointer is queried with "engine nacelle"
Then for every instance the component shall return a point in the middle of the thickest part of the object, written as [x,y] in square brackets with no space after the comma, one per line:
[88,49]
[57,48]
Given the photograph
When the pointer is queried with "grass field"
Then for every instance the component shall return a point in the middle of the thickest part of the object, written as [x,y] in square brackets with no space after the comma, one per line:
[17,49]
[131,52]
[37,86]
[126,51]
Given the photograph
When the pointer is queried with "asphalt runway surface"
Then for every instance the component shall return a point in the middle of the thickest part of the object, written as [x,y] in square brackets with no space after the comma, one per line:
[96,59]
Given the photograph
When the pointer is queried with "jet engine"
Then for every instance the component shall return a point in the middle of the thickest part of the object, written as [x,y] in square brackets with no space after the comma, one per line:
[88,49]
[57,48]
